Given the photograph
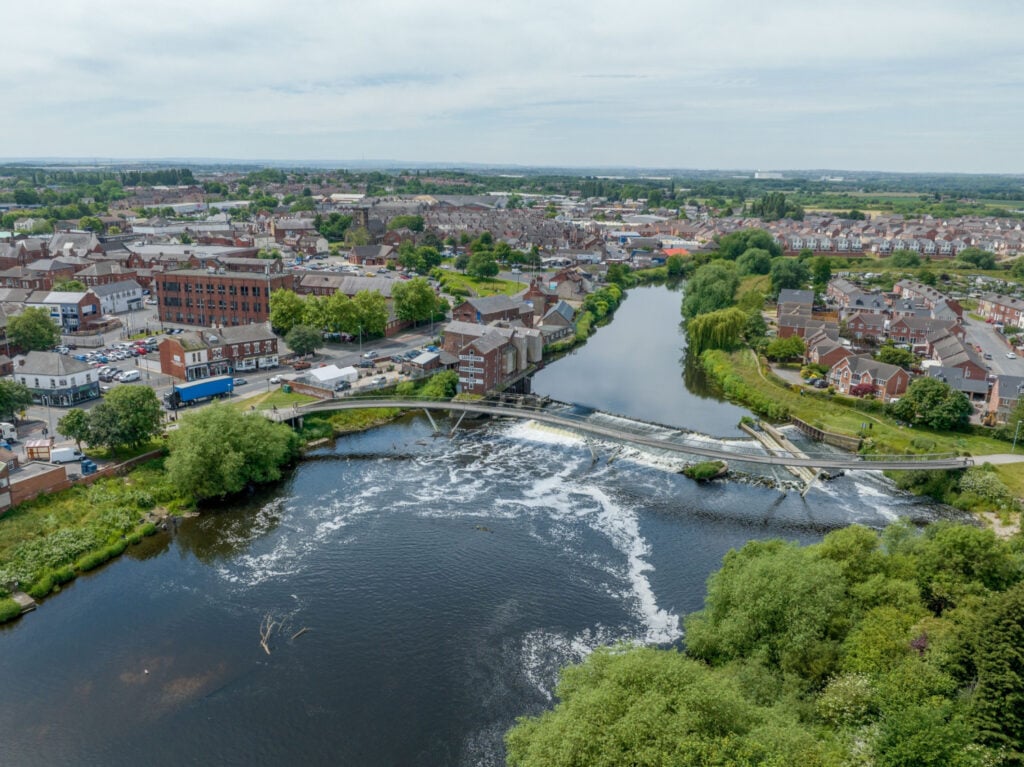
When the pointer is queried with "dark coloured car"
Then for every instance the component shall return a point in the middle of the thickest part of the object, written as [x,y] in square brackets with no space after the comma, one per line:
[821,384]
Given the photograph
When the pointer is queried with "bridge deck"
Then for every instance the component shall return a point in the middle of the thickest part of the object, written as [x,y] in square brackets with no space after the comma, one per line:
[675,440]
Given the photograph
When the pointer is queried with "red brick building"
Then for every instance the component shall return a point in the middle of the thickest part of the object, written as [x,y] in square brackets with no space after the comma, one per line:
[207,298]
[210,352]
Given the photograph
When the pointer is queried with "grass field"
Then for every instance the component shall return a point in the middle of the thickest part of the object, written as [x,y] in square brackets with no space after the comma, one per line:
[482,287]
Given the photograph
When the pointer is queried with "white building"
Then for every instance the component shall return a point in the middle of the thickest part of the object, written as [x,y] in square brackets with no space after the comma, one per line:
[119,297]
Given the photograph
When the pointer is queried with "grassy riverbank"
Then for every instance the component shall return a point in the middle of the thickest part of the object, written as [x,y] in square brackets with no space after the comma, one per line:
[50,540]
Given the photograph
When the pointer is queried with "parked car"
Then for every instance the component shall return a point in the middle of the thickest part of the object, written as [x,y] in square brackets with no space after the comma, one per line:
[342,386]
[369,355]
[275,380]
[821,384]
[129,375]
[988,356]
[380,380]
[1011,356]
[300,365]
[240,382]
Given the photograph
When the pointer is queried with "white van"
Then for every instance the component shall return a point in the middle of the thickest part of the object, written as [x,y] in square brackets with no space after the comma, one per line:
[129,375]
[65,455]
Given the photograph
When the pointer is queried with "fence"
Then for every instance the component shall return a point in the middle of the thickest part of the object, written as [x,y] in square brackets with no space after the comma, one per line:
[829,438]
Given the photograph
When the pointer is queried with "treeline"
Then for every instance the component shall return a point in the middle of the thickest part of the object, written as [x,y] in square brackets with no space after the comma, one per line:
[887,649]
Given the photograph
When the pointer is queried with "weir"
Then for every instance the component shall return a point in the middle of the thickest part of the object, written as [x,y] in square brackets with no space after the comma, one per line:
[676,441]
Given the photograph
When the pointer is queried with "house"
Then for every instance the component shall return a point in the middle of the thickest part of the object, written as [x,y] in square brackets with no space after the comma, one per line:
[826,353]
[558,322]
[915,330]
[952,352]
[56,379]
[104,272]
[372,255]
[72,310]
[789,297]
[218,351]
[487,365]
[1001,309]
[1006,393]
[889,381]
[118,297]
[865,326]
[974,388]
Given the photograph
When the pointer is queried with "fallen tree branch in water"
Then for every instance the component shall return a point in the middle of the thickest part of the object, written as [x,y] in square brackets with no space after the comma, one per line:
[299,633]
[267,626]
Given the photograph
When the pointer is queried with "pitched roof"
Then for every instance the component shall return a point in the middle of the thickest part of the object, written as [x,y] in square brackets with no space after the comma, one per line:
[49,364]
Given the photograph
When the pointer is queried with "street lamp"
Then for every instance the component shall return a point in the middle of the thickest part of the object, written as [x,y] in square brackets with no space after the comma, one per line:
[1015,435]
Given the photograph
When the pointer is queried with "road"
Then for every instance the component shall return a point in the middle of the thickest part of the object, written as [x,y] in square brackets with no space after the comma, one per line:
[981,334]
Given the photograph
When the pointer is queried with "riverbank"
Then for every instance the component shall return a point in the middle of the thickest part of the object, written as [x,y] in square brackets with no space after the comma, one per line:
[743,377]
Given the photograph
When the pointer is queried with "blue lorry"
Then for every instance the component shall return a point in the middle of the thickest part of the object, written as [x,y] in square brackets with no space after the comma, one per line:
[194,392]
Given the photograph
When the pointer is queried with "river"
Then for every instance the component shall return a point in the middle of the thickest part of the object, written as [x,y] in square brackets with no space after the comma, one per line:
[443,583]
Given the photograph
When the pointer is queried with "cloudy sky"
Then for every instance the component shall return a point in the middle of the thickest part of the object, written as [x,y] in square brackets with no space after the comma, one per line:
[875,84]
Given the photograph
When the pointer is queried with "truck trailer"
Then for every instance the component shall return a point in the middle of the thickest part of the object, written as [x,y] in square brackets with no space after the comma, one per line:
[194,392]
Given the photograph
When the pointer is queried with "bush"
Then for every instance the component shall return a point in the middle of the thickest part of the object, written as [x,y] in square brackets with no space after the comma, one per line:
[91,561]
[703,471]
[63,575]
[135,537]
[149,529]
[42,587]
[9,609]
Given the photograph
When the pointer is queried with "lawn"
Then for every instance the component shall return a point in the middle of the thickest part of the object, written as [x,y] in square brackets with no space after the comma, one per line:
[833,414]
[275,398]
[482,286]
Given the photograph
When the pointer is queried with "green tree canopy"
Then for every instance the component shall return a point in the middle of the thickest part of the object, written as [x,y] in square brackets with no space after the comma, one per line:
[286,310]
[893,355]
[788,273]
[75,425]
[71,286]
[905,259]
[303,339]
[413,223]
[982,259]
[732,246]
[721,329]
[785,348]
[482,264]
[14,397]
[218,451]
[712,287]
[33,330]
[128,416]
[370,312]
[931,402]
[754,261]
[415,300]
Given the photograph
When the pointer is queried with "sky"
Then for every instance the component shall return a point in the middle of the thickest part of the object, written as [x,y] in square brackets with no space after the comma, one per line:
[788,84]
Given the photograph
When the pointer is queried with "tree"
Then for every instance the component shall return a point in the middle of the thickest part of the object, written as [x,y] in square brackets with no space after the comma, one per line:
[219,450]
[414,300]
[931,402]
[905,259]
[721,329]
[370,313]
[90,223]
[712,287]
[356,236]
[429,257]
[303,339]
[75,425]
[14,397]
[412,223]
[785,348]
[732,246]
[675,266]
[821,272]
[70,286]
[128,416]
[788,273]
[982,259]
[33,330]
[892,355]
[754,261]
[482,265]
[286,310]
[185,238]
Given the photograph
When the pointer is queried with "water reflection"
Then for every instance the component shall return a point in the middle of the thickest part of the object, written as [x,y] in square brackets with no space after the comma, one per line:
[637,366]
[218,535]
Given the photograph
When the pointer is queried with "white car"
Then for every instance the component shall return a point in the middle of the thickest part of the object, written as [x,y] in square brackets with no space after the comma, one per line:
[276,380]
[1011,356]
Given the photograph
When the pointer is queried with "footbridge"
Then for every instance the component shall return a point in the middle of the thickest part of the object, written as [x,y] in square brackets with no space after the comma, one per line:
[669,438]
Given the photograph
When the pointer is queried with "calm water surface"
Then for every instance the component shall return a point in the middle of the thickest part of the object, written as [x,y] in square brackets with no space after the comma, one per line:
[443,582]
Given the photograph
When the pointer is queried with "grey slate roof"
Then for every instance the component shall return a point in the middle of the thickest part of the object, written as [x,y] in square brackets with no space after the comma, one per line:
[48,364]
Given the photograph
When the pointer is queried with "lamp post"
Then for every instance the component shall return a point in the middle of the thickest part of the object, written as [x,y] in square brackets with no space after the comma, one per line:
[1016,433]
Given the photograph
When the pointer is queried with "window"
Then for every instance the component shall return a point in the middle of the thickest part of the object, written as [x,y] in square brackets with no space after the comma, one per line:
[255,291]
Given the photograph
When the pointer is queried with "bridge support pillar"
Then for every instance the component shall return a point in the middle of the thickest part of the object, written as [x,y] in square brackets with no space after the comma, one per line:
[455,428]
[432,423]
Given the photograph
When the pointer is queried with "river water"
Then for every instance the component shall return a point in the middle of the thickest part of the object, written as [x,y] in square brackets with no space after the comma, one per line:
[443,583]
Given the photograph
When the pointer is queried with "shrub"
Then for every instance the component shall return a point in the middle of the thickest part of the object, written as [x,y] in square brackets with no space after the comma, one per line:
[91,561]
[135,537]
[703,471]
[42,587]
[9,609]
[149,529]
[63,575]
